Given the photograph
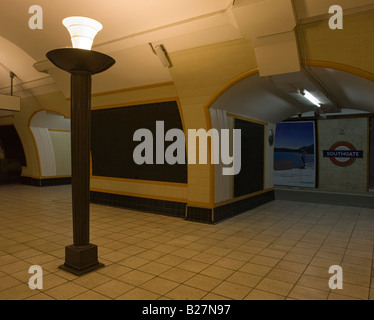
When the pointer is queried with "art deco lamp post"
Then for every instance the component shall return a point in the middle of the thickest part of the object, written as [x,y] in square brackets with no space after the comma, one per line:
[81,257]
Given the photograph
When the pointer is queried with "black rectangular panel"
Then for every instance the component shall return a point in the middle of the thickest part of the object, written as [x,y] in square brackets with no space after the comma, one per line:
[112,144]
[251,177]
[11,145]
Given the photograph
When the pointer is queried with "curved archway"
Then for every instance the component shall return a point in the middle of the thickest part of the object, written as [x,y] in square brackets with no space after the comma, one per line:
[276,98]
[342,89]
[50,130]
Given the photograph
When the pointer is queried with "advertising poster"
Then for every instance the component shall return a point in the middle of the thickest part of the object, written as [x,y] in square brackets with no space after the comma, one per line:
[371,187]
[294,154]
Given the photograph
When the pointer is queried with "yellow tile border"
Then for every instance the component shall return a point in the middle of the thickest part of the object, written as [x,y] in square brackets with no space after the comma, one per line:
[226,202]
[244,197]
[140,195]
[58,130]
[46,177]
[134,103]
[341,67]
[231,115]
[163,183]
[123,90]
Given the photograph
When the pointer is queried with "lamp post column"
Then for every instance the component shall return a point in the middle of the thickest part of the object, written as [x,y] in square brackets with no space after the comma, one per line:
[82,256]
[80,155]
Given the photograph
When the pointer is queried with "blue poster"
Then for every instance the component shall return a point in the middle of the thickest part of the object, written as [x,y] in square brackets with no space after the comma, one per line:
[295,154]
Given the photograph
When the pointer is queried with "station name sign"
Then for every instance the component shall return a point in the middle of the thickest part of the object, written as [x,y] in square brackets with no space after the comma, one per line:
[343,154]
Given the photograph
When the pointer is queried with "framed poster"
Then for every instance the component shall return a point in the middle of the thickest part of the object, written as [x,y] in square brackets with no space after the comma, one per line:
[371,161]
[295,154]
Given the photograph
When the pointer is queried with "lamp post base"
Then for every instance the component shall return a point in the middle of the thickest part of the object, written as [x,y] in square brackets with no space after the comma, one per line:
[81,259]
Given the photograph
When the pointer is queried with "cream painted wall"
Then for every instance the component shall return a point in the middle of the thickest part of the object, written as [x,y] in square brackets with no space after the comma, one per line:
[199,74]
[352,46]
[135,96]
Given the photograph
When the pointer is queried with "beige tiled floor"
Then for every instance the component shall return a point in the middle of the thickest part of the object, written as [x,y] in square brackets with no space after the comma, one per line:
[282,250]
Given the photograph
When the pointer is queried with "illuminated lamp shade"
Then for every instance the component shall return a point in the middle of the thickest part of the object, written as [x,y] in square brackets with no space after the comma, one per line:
[82,31]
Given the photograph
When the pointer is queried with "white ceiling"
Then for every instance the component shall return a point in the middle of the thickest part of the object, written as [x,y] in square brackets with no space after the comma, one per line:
[129,27]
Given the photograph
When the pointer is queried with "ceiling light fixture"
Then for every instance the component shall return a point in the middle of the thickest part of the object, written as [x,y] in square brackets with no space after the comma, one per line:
[163,55]
[307,95]
[82,31]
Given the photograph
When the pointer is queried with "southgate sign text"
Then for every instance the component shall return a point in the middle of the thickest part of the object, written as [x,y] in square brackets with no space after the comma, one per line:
[343,154]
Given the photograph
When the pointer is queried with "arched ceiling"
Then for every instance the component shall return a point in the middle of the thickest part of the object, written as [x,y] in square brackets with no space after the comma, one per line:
[277,98]
[129,27]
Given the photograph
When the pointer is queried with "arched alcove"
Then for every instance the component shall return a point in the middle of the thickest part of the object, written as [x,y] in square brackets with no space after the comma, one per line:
[343,91]
[51,133]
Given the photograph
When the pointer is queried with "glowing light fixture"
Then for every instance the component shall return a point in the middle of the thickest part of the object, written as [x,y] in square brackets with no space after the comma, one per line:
[307,95]
[82,31]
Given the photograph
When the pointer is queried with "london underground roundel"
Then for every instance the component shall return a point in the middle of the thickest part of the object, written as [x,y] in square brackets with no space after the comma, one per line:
[343,154]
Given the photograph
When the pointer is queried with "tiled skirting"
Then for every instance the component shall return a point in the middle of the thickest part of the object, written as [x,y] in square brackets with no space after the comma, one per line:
[45,182]
[175,209]
[218,214]
[178,209]
[238,207]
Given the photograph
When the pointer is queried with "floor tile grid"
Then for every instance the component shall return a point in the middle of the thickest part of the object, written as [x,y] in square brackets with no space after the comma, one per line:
[317,241]
[286,289]
[206,267]
[216,233]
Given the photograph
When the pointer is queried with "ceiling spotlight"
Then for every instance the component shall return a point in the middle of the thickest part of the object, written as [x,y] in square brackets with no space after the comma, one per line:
[307,95]
[82,31]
